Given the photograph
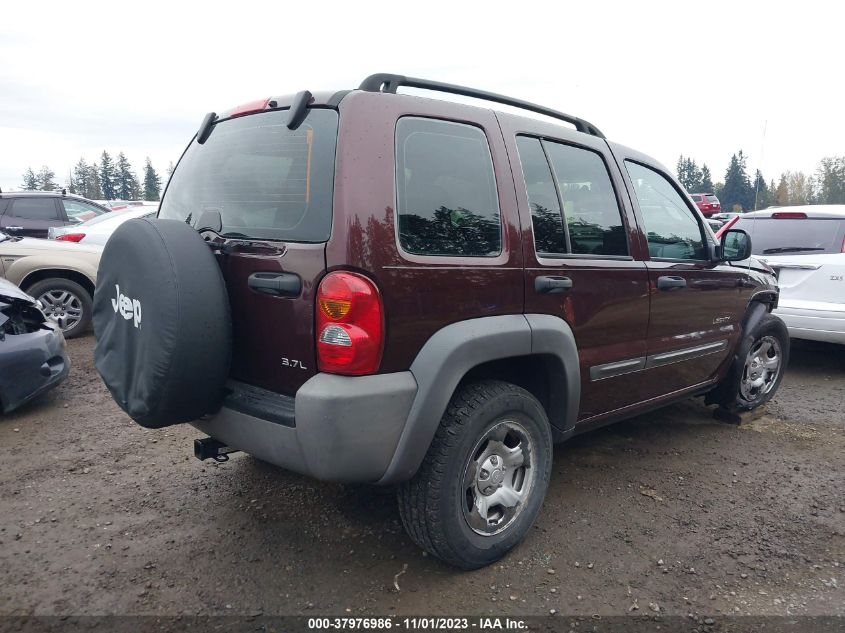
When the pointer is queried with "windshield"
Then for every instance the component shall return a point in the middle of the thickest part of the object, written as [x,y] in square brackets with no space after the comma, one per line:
[266,181]
[800,236]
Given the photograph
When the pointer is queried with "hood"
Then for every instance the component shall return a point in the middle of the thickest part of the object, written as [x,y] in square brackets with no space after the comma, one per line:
[19,313]
[759,263]
[9,293]
[33,246]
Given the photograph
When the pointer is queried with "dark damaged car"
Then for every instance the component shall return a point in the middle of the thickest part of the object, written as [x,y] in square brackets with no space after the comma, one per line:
[32,349]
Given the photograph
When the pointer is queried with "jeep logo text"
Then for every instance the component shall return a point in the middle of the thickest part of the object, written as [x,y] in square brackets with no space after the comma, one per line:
[126,307]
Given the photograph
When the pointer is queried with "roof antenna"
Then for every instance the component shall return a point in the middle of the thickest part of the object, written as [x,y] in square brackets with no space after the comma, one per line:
[760,165]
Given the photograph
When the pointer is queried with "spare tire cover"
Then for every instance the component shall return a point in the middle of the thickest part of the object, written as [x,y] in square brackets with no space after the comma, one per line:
[162,322]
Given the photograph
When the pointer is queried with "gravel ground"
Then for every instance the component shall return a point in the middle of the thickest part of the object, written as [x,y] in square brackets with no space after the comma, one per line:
[669,512]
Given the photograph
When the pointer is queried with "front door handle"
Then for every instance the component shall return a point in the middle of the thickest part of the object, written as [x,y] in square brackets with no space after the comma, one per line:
[670,283]
[276,284]
[552,285]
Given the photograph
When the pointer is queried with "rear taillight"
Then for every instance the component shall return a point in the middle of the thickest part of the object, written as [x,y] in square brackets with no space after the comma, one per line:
[350,325]
[789,215]
[726,226]
[70,237]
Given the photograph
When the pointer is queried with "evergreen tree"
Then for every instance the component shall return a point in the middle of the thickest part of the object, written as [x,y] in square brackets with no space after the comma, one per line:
[689,175]
[94,191]
[30,182]
[737,192]
[152,182]
[70,184]
[108,177]
[762,195]
[81,177]
[170,169]
[46,179]
[706,179]
[126,183]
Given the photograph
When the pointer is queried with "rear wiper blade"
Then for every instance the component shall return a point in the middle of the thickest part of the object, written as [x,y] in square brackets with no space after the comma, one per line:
[790,249]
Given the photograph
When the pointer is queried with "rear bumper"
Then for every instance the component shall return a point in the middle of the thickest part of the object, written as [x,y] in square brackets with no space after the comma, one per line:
[827,325]
[337,428]
[31,364]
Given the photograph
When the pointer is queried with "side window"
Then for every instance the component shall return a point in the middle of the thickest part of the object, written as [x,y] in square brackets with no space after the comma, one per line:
[35,209]
[446,190]
[549,232]
[671,228]
[593,218]
[78,211]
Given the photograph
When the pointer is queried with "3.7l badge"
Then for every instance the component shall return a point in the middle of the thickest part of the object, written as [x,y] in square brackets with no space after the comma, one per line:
[290,362]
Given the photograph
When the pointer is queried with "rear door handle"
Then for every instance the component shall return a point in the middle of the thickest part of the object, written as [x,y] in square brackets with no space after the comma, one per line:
[276,284]
[552,285]
[670,283]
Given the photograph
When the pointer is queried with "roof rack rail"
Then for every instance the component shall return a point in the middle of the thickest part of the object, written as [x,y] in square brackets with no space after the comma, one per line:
[386,82]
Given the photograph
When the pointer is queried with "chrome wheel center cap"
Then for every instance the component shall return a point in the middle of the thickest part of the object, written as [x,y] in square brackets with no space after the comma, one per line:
[490,475]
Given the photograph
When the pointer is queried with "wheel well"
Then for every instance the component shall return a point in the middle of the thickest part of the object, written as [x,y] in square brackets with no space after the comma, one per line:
[768,298]
[536,374]
[53,273]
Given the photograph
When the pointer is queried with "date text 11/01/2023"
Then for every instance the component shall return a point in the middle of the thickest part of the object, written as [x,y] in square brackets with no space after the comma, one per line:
[418,623]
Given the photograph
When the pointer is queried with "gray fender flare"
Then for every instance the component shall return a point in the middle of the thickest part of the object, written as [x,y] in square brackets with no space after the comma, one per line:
[455,349]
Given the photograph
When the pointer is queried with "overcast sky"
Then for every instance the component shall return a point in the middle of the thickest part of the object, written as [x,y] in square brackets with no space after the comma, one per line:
[695,78]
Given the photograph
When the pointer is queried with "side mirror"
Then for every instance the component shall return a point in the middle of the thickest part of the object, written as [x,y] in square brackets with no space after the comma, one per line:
[735,245]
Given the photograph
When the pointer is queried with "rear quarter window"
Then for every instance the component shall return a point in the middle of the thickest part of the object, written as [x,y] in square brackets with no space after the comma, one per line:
[447,202]
[35,209]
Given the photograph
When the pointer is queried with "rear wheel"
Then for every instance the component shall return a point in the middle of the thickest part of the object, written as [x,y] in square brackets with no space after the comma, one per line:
[482,482]
[65,303]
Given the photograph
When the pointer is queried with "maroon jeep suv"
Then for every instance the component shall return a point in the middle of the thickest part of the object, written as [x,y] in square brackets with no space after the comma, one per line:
[366,286]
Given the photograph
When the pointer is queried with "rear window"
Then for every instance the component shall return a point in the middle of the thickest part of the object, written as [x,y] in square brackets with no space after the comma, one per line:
[696,198]
[266,181]
[712,199]
[774,236]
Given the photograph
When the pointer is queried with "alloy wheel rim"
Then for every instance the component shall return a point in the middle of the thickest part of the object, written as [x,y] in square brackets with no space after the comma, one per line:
[62,307]
[498,478]
[762,368]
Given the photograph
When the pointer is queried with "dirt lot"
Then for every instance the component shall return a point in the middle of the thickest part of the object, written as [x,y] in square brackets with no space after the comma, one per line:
[669,511]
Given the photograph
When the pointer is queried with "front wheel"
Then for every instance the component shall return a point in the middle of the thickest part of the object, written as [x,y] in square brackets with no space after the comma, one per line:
[482,482]
[758,367]
[65,303]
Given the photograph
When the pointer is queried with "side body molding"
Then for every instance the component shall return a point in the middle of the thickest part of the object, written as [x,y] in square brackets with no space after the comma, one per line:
[454,350]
